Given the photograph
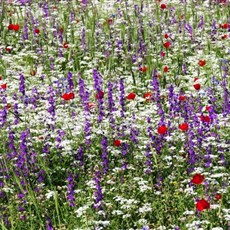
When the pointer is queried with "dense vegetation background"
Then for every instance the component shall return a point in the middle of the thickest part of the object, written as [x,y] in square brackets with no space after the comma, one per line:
[114,114]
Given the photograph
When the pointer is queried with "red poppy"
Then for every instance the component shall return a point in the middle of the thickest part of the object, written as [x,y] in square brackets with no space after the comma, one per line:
[205,118]
[208,107]
[202,62]
[225,25]
[197,179]
[182,98]
[16,27]
[162,129]
[10,26]
[162,54]
[3,86]
[8,106]
[117,142]
[218,196]
[166,36]
[8,49]
[202,205]
[163,6]
[196,78]
[224,36]
[166,69]
[183,127]
[99,95]
[110,21]
[131,96]
[148,96]
[65,45]
[68,96]
[37,31]
[167,44]
[143,69]
[197,86]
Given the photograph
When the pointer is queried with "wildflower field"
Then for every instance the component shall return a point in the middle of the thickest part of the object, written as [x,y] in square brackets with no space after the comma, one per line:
[114,114]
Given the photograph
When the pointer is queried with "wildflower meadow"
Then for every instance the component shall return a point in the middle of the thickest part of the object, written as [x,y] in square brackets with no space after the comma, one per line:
[114,114]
